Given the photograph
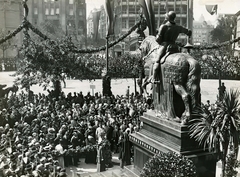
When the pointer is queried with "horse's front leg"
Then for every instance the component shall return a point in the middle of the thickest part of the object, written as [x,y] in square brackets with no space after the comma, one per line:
[144,85]
[185,97]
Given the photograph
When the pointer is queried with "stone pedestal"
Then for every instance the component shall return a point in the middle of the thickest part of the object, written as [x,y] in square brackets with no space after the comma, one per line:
[161,135]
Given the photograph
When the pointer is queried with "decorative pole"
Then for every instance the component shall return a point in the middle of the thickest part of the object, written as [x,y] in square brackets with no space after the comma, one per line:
[110,31]
[106,78]
[107,54]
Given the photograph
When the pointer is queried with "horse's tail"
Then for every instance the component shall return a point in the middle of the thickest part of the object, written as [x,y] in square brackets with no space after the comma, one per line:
[193,82]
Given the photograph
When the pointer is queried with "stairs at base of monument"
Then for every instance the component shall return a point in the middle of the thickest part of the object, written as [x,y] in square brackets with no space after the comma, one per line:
[128,171]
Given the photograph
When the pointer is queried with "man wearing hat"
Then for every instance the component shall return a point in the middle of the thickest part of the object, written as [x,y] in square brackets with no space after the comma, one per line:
[167,34]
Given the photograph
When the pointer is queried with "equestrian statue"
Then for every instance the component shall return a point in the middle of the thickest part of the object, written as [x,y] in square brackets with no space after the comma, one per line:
[175,76]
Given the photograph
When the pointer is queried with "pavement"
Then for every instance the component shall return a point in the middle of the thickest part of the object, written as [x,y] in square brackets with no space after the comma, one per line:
[87,169]
[209,87]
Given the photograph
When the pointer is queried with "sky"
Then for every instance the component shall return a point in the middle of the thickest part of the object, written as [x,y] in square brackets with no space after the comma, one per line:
[224,6]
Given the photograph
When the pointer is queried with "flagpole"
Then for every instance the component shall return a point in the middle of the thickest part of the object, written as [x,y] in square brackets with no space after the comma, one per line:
[107,54]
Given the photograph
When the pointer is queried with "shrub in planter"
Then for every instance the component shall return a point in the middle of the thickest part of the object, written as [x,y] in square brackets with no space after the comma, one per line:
[168,165]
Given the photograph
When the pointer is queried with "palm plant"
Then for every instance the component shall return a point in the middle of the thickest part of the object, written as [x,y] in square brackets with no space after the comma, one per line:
[217,128]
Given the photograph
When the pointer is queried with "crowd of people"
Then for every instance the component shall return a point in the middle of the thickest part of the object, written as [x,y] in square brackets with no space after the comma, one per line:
[41,135]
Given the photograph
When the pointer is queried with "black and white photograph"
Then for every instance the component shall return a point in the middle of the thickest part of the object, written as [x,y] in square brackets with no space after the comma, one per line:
[119,88]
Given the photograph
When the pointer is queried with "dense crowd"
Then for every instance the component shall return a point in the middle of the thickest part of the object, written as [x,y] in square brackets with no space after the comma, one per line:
[41,135]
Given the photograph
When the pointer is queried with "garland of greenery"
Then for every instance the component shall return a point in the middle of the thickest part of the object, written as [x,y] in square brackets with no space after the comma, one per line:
[26,24]
[215,46]
[36,31]
[90,50]
[12,34]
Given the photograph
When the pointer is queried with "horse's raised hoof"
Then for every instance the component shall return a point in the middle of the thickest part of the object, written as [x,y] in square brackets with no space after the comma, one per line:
[177,119]
[185,118]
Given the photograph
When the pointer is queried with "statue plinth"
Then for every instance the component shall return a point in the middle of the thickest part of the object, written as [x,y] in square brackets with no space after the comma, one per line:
[162,135]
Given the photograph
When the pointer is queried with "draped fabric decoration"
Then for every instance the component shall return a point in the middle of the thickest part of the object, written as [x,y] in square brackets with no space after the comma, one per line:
[212,9]
[109,5]
[148,10]
[96,18]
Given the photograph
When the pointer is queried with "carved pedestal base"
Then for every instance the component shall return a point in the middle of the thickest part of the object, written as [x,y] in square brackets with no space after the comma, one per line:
[161,135]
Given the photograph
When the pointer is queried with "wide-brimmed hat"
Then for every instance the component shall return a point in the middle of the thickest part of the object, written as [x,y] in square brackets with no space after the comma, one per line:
[28,167]
[2,148]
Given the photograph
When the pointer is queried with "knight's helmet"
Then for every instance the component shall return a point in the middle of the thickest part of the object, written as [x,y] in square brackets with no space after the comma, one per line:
[170,16]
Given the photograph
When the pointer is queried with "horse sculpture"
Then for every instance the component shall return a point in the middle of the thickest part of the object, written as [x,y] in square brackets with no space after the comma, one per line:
[178,91]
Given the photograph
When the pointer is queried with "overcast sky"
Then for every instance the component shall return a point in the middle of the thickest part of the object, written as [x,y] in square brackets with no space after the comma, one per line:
[224,6]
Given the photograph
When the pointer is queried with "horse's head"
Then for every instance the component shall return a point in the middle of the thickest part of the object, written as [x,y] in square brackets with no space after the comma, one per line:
[147,44]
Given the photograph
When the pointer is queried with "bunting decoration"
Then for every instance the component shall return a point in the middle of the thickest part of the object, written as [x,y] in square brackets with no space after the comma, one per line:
[148,10]
[212,9]
[109,5]
[96,18]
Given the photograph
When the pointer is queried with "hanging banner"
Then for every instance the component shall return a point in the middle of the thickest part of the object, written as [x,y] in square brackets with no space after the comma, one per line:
[109,5]
[148,11]
[96,18]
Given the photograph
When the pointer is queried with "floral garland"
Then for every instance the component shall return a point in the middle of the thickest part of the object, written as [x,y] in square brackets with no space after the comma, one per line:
[26,24]
[110,44]
[12,34]
[90,50]
[215,46]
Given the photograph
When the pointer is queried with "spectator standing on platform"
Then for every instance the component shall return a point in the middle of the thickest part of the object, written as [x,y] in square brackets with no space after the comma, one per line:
[125,150]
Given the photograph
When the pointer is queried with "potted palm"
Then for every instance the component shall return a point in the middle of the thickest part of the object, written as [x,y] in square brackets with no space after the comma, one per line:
[217,129]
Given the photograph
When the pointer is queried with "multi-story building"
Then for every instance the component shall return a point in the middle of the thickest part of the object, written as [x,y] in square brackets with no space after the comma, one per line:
[70,15]
[201,32]
[127,12]
[11,13]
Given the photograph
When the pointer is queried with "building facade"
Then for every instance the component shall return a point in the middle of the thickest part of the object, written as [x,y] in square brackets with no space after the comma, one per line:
[11,13]
[201,33]
[69,15]
[127,14]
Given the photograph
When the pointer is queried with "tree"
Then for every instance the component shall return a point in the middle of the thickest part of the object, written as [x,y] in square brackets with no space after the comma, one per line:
[224,30]
[217,128]
[43,63]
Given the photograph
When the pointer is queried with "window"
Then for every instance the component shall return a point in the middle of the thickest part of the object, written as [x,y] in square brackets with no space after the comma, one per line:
[80,12]
[57,11]
[70,11]
[35,11]
[47,12]
[124,9]
[52,11]
[70,1]
[124,24]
